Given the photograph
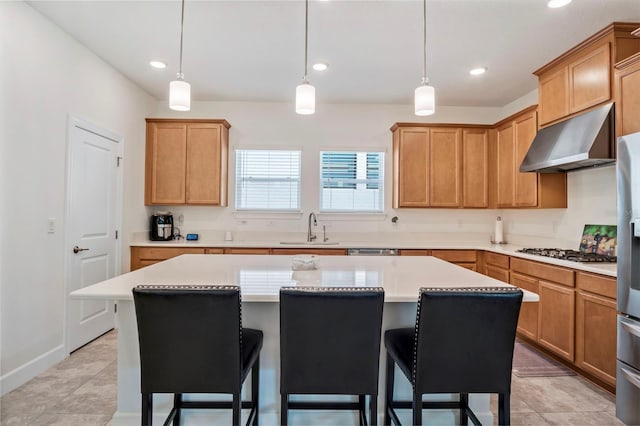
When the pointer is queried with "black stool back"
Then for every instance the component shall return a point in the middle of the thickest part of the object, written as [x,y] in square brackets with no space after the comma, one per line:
[462,343]
[192,341]
[330,344]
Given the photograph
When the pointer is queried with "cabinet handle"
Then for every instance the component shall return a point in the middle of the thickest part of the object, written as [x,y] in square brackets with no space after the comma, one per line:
[633,329]
[632,378]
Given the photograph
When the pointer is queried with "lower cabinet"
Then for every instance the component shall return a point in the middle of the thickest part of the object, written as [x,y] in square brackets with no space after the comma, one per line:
[596,326]
[250,250]
[323,252]
[528,320]
[145,256]
[465,258]
[556,319]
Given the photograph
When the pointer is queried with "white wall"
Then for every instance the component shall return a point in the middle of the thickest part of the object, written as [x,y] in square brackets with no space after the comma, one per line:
[47,76]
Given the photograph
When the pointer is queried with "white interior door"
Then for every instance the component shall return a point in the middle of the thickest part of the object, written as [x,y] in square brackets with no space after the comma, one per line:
[93,192]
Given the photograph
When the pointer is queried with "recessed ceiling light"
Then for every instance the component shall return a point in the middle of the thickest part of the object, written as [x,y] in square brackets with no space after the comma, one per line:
[320,66]
[158,64]
[557,3]
[478,71]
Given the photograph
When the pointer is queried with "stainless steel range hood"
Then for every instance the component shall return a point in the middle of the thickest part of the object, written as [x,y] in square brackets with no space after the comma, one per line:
[586,140]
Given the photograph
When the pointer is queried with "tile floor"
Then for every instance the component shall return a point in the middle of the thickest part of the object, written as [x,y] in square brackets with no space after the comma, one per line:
[81,391]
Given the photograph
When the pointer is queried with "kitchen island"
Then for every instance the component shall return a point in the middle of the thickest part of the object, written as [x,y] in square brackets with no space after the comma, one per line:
[260,278]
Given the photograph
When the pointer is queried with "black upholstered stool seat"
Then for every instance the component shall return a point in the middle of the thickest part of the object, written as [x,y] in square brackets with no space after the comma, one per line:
[462,343]
[192,341]
[330,345]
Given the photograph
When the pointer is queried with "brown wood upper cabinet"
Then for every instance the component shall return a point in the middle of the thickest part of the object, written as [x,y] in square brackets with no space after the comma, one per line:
[583,77]
[514,136]
[628,96]
[439,166]
[186,162]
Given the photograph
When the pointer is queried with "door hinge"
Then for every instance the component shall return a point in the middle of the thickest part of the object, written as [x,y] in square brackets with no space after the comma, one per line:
[115,308]
[116,234]
[118,161]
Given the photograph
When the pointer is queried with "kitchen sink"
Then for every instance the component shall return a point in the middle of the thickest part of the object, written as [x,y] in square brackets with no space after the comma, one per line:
[312,243]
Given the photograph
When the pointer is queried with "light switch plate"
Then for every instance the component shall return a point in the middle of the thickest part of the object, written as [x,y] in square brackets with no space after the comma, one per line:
[51,225]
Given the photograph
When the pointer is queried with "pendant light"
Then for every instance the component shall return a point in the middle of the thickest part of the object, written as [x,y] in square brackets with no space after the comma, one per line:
[305,92]
[425,97]
[180,90]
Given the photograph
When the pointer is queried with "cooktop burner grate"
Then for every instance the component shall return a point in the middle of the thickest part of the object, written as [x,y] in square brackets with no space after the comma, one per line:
[568,254]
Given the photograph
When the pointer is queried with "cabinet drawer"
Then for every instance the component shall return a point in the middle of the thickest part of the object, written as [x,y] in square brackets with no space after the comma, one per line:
[247,251]
[214,250]
[456,256]
[598,284]
[547,272]
[164,253]
[320,252]
[404,252]
[499,260]
[497,273]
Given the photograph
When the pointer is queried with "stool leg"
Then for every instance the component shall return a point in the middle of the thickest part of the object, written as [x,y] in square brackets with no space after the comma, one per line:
[177,404]
[464,405]
[362,404]
[284,409]
[255,388]
[147,409]
[388,394]
[417,409]
[373,410]
[504,409]
[235,406]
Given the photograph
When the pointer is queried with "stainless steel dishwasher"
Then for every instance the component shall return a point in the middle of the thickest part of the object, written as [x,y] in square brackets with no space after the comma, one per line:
[372,252]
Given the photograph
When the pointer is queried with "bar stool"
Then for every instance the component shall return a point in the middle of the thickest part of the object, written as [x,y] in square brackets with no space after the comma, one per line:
[330,344]
[462,343]
[192,341]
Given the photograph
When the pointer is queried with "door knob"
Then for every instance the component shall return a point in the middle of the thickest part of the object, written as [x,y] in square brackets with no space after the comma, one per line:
[77,249]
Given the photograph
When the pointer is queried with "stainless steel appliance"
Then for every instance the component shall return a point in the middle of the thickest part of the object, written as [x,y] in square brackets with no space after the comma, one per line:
[628,364]
[372,252]
[161,227]
[568,254]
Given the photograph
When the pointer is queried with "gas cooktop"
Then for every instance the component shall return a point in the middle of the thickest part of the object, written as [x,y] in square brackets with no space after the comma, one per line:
[567,254]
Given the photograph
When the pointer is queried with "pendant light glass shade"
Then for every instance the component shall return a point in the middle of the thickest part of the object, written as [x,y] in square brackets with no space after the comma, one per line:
[425,96]
[305,99]
[180,95]
[180,90]
[425,100]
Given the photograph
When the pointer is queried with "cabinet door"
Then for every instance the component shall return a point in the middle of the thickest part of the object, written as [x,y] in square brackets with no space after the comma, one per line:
[444,167]
[553,94]
[528,320]
[145,256]
[475,168]
[320,252]
[628,99]
[497,273]
[247,251]
[413,167]
[596,336]
[526,184]
[203,163]
[166,163]
[505,158]
[556,319]
[590,79]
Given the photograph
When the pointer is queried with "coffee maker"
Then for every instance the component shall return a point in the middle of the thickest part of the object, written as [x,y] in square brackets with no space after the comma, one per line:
[161,227]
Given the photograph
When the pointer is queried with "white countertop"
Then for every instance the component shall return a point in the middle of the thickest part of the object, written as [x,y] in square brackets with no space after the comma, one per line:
[260,277]
[608,269]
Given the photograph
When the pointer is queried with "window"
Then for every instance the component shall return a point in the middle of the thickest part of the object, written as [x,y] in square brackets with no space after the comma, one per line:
[267,180]
[351,181]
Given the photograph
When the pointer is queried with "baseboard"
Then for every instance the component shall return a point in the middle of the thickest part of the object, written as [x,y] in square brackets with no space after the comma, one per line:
[31,369]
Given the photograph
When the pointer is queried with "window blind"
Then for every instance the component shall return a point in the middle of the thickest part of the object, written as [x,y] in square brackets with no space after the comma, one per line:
[352,181]
[267,180]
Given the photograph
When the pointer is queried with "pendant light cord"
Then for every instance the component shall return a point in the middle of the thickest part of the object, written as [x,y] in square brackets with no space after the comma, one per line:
[306,37]
[424,29]
[180,75]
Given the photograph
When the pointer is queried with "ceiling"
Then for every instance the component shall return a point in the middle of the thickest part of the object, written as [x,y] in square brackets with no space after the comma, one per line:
[254,50]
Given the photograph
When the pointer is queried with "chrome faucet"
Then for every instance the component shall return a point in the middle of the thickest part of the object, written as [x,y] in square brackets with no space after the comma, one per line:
[310,235]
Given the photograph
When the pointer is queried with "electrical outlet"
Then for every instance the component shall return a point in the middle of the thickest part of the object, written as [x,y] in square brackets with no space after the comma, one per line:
[51,225]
